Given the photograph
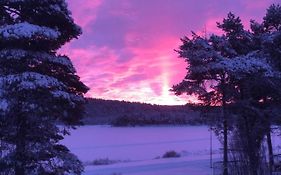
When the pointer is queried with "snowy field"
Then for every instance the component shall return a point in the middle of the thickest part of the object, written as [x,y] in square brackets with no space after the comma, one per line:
[138,150]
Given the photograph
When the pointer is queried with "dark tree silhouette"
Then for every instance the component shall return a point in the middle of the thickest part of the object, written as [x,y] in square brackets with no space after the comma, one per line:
[240,72]
[39,88]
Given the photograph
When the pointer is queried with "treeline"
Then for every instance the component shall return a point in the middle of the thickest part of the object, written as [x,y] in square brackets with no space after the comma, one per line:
[122,113]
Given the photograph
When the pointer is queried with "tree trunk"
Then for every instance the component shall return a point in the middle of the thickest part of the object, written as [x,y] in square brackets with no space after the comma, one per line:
[270,151]
[20,159]
[251,149]
[19,170]
[20,147]
[225,129]
[225,148]
[269,142]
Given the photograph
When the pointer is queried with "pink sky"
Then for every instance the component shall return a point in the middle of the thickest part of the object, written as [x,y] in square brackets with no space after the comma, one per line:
[126,51]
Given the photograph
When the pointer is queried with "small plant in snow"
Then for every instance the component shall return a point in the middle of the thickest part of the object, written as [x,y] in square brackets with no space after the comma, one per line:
[171,154]
[117,174]
[105,161]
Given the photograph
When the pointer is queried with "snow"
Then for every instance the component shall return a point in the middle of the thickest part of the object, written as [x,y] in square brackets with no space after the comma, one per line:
[135,149]
[27,30]
[252,63]
[248,64]
[67,96]
[173,166]
[55,7]
[138,147]
[18,54]
[119,143]
[32,80]
[269,38]
[221,43]
[4,105]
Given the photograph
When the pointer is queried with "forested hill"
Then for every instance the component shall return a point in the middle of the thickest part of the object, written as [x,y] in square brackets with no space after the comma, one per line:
[121,113]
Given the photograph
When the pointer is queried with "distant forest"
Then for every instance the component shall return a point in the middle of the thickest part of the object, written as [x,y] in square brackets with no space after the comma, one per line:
[122,113]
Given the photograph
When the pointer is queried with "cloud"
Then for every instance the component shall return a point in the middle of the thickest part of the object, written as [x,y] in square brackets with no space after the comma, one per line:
[127,49]
[84,11]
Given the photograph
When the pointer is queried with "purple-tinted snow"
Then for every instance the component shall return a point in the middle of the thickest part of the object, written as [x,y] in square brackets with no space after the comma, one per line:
[140,146]
[135,149]
[27,30]
[138,143]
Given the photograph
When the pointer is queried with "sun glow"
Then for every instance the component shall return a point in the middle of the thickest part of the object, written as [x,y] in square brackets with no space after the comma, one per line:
[167,97]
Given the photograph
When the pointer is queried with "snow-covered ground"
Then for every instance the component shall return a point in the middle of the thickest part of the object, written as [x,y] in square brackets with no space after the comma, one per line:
[172,166]
[137,149]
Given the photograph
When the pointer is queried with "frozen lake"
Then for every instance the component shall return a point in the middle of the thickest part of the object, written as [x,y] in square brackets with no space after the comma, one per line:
[138,143]
[139,147]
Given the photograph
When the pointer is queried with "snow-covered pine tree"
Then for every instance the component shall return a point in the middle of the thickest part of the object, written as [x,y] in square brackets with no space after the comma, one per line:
[236,72]
[268,37]
[202,59]
[255,74]
[39,89]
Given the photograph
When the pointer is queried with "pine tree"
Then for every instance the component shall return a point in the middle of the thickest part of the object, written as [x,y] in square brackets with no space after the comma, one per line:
[236,72]
[204,79]
[39,89]
[268,36]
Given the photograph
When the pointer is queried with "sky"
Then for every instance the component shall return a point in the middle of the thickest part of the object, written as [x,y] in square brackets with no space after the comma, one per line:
[126,51]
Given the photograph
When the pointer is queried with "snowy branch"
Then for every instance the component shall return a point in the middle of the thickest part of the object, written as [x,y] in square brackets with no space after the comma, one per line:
[30,80]
[18,54]
[27,30]
[251,63]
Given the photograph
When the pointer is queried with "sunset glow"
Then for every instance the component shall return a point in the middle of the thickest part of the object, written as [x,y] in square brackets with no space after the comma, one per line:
[127,52]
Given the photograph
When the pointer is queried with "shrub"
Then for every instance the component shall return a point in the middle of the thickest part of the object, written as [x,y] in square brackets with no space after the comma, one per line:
[105,161]
[171,154]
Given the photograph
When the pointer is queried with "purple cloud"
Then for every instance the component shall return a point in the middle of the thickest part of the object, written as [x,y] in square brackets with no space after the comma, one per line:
[126,51]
